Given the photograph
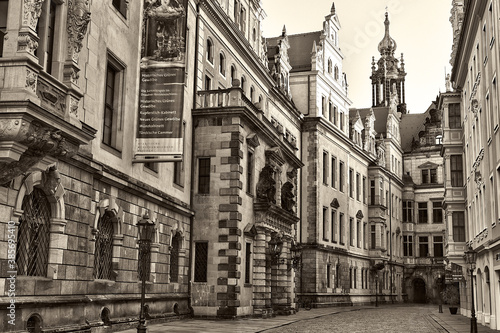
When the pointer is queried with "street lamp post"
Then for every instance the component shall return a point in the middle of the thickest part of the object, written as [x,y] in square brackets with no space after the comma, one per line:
[146,230]
[470,259]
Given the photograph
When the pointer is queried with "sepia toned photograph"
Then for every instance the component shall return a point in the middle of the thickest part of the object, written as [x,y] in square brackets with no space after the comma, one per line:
[244,166]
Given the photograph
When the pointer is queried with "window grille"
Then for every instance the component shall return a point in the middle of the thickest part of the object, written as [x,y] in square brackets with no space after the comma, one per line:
[104,247]
[34,235]
[174,258]
[201,262]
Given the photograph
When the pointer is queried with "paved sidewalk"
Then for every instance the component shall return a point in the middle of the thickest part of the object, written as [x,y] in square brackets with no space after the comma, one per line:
[457,323]
[445,322]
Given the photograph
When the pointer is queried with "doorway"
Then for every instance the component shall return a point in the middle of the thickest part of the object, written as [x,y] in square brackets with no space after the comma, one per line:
[419,291]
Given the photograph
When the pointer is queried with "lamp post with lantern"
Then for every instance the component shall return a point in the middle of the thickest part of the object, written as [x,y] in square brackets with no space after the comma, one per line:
[470,259]
[146,231]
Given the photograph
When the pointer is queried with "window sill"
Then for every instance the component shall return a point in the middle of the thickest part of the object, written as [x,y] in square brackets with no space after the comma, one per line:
[248,285]
[111,150]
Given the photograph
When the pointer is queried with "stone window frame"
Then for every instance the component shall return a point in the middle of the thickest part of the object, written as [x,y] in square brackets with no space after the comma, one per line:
[58,240]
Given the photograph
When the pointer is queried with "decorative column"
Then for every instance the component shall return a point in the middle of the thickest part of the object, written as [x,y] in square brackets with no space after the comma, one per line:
[259,273]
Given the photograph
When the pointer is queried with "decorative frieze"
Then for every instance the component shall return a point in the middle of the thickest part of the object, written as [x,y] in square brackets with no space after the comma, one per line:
[32,9]
[27,42]
[78,20]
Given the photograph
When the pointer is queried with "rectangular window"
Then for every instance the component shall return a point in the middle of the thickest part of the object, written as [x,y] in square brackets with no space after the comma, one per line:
[208,82]
[112,131]
[341,176]
[250,167]
[351,183]
[408,246]
[323,108]
[121,6]
[151,165]
[204,175]
[358,186]
[325,167]
[458,221]
[325,224]
[423,246]
[373,237]
[335,115]
[456,170]
[341,224]
[358,232]
[434,178]
[248,262]
[364,189]
[243,19]
[372,192]
[334,226]
[454,115]
[351,231]
[334,170]
[437,212]
[407,211]
[330,111]
[438,246]
[328,275]
[201,262]
[425,176]
[4,6]
[422,212]
[45,30]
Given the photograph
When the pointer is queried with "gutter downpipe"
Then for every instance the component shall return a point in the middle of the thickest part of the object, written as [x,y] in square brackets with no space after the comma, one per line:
[301,180]
[191,196]
[390,239]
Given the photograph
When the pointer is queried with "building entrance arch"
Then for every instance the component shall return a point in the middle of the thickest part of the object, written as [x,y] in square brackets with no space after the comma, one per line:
[419,291]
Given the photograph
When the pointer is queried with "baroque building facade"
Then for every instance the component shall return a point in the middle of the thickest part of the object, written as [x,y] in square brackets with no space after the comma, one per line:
[471,154]
[284,194]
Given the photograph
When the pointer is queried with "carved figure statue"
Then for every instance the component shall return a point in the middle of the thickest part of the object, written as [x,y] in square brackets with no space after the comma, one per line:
[266,187]
[287,197]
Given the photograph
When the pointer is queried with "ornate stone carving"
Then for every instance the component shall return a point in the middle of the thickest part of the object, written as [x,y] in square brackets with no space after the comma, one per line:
[359,214]
[41,141]
[73,106]
[288,197]
[32,9]
[78,19]
[51,179]
[381,154]
[475,106]
[266,187]
[335,203]
[26,42]
[478,179]
[253,140]
[31,78]
[51,98]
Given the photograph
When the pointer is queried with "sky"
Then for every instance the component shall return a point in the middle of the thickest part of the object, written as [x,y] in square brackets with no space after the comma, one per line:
[421,29]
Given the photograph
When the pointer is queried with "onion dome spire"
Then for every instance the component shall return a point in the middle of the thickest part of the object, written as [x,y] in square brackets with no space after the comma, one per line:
[388,44]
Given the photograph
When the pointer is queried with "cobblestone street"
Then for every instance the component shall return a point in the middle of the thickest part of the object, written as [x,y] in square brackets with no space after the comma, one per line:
[383,319]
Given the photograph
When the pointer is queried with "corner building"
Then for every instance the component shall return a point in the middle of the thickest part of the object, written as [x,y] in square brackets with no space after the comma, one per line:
[350,227]
[472,120]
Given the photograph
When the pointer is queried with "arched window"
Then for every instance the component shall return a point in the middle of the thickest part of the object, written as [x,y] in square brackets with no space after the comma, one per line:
[336,74]
[243,83]
[34,235]
[222,64]
[174,257]
[233,74]
[330,66]
[104,247]
[254,35]
[210,51]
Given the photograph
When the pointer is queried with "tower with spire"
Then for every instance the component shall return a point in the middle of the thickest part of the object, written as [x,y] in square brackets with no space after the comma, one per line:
[388,74]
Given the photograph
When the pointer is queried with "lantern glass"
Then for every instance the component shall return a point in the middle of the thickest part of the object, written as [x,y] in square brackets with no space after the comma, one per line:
[470,256]
[146,228]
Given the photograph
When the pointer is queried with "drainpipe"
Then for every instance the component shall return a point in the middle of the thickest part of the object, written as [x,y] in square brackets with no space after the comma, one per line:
[390,239]
[191,196]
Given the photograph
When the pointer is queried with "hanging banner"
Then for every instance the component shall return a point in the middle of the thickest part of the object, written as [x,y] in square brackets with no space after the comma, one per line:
[162,75]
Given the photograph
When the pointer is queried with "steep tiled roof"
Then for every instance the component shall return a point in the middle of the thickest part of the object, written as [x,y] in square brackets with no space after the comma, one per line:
[380,114]
[300,50]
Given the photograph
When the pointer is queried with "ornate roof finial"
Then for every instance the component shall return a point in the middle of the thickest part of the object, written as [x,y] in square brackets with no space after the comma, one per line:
[332,11]
[387,45]
[283,32]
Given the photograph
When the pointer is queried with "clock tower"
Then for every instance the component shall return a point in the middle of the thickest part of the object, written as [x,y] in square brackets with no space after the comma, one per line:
[388,74]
